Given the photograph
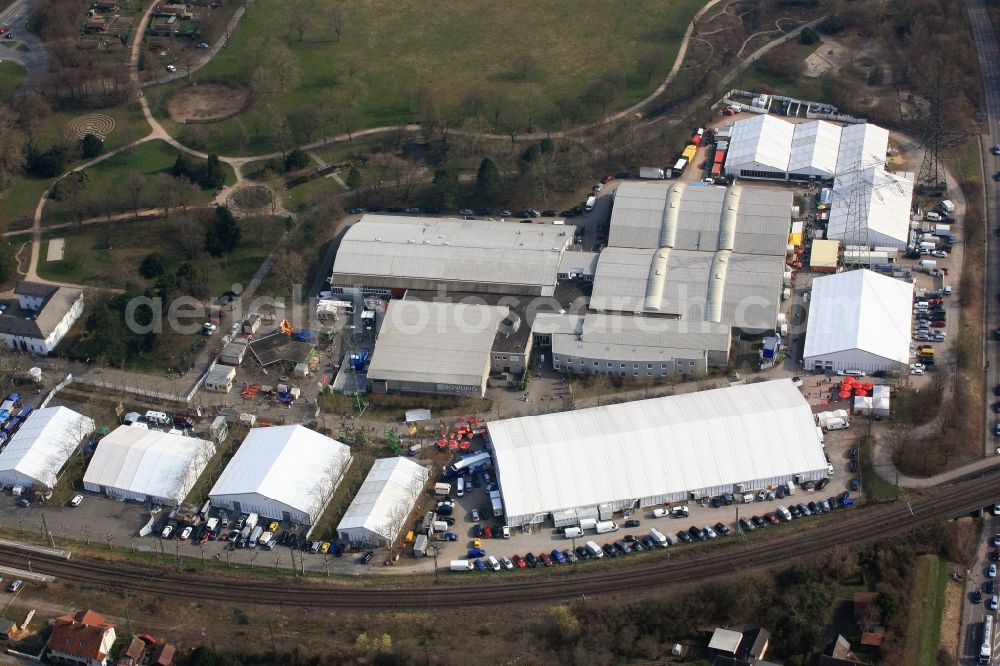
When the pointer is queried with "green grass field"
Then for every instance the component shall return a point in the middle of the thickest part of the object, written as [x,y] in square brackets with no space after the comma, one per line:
[11,76]
[391,51]
[108,255]
[923,632]
[147,159]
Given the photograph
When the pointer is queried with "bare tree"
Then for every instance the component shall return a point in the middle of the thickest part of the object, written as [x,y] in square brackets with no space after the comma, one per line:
[336,19]
[164,191]
[299,19]
[133,186]
[525,65]
[395,517]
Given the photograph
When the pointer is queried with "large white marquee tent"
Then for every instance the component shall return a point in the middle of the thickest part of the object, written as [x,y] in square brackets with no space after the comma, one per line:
[385,499]
[36,454]
[858,320]
[650,452]
[152,466]
[283,472]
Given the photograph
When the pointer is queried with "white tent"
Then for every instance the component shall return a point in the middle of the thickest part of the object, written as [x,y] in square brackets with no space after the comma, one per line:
[37,452]
[654,451]
[858,320]
[283,472]
[383,503]
[147,465]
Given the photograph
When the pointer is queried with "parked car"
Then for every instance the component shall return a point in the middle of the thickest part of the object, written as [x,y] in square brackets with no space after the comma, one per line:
[631,522]
[545,559]
[709,532]
[746,525]
[977,597]
[557,556]
[507,563]
[531,560]
[609,550]
[518,562]
[684,536]
[582,553]
[76,501]
[15,585]
[721,528]
[367,557]
[570,555]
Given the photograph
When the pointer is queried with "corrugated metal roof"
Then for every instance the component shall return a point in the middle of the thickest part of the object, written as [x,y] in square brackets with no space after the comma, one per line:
[750,293]
[860,310]
[625,337]
[450,250]
[446,343]
[654,447]
[648,215]
[585,262]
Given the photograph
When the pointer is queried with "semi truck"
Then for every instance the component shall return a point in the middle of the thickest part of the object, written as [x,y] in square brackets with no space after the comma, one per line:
[470,463]
[653,173]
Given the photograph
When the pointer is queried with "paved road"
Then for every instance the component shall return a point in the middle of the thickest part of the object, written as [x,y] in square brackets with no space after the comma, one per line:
[34,59]
[989,65]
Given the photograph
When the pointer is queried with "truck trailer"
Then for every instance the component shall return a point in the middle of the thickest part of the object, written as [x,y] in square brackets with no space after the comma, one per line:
[653,173]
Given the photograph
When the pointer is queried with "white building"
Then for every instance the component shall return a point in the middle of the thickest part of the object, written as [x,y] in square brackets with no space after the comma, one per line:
[771,148]
[44,315]
[858,320]
[286,473]
[383,254]
[39,450]
[147,465]
[595,461]
[885,200]
[385,500]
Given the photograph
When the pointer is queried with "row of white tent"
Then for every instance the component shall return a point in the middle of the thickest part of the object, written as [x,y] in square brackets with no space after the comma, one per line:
[285,473]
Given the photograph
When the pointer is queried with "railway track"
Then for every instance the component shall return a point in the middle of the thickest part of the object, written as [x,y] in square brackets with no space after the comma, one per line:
[684,565]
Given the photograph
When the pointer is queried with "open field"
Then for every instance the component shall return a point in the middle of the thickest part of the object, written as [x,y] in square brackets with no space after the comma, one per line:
[479,47]
[147,159]
[927,604]
[11,76]
[19,202]
[108,255]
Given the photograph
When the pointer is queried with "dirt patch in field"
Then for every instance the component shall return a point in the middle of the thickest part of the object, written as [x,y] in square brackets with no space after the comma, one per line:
[207,102]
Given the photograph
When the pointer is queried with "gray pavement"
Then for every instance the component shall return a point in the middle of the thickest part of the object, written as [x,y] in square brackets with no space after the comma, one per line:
[33,59]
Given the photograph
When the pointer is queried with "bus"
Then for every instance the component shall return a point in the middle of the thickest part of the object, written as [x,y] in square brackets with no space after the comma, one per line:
[986,650]
[468,463]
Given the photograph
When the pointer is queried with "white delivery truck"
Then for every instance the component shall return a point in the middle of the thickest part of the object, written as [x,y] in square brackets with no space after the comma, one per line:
[254,536]
[440,526]
[654,173]
[252,520]
[658,537]
[595,550]
[573,532]
[606,526]
[442,488]
[461,565]
[588,523]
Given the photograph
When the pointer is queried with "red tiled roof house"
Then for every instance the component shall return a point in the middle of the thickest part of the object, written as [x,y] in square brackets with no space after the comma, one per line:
[85,638]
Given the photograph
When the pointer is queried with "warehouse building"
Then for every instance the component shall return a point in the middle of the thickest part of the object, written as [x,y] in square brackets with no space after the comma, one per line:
[442,347]
[770,148]
[694,253]
[382,505]
[286,473]
[628,346]
[707,219]
[384,255]
[740,290]
[36,454]
[592,462]
[858,320]
[146,465]
[886,200]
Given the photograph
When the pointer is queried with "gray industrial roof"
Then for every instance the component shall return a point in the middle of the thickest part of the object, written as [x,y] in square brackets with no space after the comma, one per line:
[447,250]
[741,290]
[627,337]
[445,343]
[690,217]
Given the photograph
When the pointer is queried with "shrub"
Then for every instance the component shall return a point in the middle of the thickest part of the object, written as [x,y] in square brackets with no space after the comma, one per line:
[297,159]
[809,37]
[152,266]
[91,145]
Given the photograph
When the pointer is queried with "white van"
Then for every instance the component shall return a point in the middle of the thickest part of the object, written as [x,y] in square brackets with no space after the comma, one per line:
[442,488]
[595,550]
[494,563]
[932,217]
[660,513]
[461,565]
[591,202]
[158,418]
[573,532]
[837,424]
[439,526]
[658,537]
[255,536]
[460,484]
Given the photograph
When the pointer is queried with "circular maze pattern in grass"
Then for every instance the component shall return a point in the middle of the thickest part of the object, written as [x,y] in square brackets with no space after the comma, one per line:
[249,199]
[98,124]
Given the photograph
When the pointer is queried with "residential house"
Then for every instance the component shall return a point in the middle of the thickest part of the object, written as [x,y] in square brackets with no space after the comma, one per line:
[110,6]
[734,648]
[164,25]
[132,654]
[85,638]
[163,655]
[44,316]
[177,9]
